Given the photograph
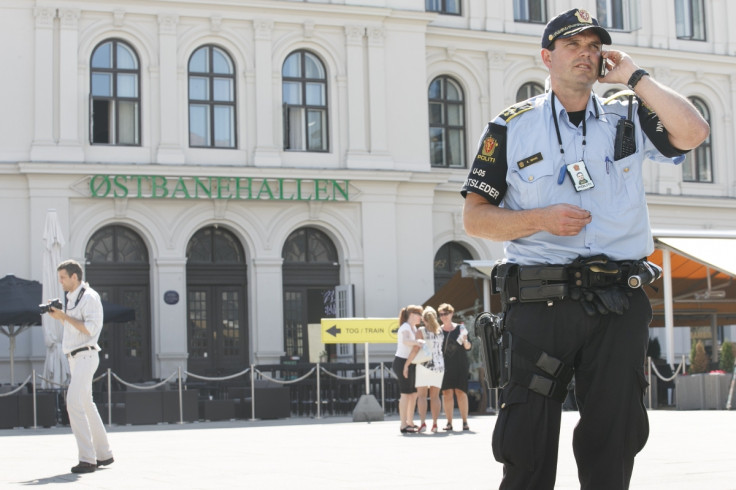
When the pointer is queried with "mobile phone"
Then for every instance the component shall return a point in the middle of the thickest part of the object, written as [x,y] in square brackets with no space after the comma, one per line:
[602,67]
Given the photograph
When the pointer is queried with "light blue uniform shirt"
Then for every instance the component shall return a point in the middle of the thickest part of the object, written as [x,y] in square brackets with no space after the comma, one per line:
[620,221]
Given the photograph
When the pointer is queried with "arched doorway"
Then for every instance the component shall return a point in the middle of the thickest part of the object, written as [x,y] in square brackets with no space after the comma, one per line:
[118,269]
[217,329]
[447,262]
[310,273]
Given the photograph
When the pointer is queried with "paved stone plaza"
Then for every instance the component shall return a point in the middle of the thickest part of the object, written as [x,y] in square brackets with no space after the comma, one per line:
[686,450]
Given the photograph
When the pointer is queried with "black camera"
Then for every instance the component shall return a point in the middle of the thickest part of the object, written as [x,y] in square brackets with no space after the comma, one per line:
[56,303]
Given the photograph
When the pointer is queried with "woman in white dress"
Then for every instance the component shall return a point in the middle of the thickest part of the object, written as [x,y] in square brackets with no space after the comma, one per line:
[429,374]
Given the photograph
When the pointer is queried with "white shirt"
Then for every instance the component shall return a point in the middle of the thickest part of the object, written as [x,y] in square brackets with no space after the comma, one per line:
[406,332]
[87,308]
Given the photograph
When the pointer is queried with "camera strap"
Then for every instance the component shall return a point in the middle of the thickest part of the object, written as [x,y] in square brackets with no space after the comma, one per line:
[79,298]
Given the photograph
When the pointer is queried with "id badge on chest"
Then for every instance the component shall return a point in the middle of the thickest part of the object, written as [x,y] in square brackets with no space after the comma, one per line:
[580,176]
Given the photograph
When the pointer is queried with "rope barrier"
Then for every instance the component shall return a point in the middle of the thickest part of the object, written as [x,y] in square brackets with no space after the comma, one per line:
[345,378]
[222,378]
[144,387]
[287,382]
[654,368]
[20,387]
[51,382]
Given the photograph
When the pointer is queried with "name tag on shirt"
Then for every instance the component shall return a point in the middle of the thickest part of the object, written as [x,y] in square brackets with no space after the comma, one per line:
[580,176]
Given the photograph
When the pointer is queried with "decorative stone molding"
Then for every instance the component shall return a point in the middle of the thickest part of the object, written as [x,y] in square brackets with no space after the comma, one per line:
[263,28]
[354,34]
[216,23]
[167,23]
[118,18]
[376,35]
[308,29]
[69,18]
[496,59]
[44,16]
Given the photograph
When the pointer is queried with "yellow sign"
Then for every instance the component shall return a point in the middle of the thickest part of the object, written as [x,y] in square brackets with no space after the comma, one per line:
[359,330]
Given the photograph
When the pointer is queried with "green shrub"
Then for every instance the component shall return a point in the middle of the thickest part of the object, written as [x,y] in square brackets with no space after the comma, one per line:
[727,356]
[699,361]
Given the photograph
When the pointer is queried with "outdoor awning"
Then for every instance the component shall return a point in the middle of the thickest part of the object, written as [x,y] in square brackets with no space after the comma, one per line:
[703,270]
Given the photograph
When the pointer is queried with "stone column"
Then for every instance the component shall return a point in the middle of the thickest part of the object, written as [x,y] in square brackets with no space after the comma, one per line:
[169,329]
[169,97]
[266,151]
[70,99]
[43,146]
[267,328]
[377,92]
[355,61]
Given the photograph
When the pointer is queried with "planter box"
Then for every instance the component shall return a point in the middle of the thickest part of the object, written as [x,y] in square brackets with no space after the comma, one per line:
[216,410]
[8,411]
[190,409]
[702,391]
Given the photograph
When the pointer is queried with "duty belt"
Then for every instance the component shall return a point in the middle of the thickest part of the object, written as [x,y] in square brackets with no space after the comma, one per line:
[524,283]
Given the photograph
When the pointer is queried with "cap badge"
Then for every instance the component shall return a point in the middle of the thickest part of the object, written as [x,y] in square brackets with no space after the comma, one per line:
[583,16]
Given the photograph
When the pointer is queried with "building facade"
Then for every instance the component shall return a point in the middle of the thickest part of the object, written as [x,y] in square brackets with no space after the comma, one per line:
[237,170]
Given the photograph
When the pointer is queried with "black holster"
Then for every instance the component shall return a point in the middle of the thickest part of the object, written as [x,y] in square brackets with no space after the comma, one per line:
[489,328]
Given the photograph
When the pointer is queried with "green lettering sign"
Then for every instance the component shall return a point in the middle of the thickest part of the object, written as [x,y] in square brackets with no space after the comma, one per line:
[217,188]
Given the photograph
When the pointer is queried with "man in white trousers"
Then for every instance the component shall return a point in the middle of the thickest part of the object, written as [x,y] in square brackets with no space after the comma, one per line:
[82,319]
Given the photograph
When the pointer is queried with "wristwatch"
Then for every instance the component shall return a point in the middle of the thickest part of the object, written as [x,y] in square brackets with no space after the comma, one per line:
[635,77]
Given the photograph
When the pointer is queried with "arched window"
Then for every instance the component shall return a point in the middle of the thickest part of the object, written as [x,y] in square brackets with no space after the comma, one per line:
[116,244]
[447,261]
[698,164]
[211,99]
[446,123]
[214,245]
[528,90]
[311,246]
[115,102]
[304,102]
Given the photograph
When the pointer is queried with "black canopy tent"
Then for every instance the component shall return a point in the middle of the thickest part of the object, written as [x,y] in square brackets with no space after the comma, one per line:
[19,300]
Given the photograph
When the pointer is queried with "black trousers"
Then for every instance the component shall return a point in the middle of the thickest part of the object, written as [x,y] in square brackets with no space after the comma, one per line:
[608,353]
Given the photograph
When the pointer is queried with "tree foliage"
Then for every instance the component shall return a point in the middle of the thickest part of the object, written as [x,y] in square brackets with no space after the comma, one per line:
[727,356]
[699,361]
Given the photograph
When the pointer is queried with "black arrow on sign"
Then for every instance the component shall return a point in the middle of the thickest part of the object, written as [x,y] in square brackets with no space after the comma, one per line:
[333,330]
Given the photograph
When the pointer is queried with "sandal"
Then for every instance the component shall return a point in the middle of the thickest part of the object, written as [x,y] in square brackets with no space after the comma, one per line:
[423,427]
[448,427]
[434,427]
[408,430]
[465,427]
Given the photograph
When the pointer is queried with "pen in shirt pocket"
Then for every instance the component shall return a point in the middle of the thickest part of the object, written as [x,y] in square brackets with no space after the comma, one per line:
[561,177]
[608,165]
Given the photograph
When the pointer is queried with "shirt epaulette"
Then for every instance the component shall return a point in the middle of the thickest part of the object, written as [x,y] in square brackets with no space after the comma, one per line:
[618,95]
[516,109]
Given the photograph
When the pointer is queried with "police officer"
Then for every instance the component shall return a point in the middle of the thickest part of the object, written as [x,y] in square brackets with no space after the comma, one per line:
[570,247]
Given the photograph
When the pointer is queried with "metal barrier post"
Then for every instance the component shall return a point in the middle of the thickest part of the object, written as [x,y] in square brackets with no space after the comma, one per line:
[367,381]
[33,373]
[383,390]
[319,395]
[181,401]
[684,369]
[109,397]
[253,392]
[649,376]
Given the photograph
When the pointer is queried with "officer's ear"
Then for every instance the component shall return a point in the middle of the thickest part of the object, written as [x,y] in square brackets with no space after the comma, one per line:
[546,57]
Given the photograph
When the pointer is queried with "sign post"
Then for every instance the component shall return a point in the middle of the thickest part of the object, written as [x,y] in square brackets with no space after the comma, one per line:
[366,331]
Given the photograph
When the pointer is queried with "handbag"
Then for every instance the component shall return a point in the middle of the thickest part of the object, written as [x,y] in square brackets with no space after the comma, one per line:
[423,355]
